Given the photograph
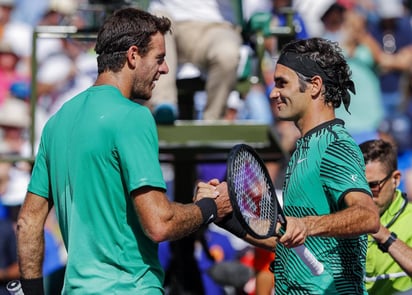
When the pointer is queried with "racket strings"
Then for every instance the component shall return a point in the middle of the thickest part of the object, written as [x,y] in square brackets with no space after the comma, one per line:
[254,194]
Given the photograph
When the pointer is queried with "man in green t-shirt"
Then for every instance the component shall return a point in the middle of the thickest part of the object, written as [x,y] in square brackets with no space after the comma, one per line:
[389,255]
[98,165]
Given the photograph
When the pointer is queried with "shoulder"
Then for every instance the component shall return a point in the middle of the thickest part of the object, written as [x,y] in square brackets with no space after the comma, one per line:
[140,115]
[330,134]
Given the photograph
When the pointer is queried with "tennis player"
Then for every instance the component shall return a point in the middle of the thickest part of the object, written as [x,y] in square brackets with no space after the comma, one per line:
[326,197]
[98,165]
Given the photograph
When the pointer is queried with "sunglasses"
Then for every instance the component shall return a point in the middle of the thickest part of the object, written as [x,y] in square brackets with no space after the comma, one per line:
[376,186]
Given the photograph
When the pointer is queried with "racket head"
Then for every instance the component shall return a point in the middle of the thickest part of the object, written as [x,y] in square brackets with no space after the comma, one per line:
[251,191]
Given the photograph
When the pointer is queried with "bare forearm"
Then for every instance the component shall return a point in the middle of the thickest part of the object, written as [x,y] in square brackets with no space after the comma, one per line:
[400,252]
[164,220]
[30,235]
[350,222]
[400,61]
[186,219]
[30,250]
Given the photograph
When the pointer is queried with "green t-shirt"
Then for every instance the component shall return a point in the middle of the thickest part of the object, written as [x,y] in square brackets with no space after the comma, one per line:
[379,265]
[94,152]
[326,165]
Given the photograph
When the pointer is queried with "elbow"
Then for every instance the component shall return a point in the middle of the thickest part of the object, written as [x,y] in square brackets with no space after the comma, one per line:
[157,238]
[374,227]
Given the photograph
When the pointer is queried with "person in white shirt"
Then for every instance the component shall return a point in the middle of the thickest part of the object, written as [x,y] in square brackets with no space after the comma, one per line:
[205,34]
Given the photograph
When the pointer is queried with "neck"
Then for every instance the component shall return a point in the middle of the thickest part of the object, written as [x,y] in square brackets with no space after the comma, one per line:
[315,118]
[113,79]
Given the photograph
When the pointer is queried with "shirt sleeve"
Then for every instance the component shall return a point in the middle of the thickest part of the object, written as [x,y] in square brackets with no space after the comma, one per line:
[138,148]
[39,182]
[343,170]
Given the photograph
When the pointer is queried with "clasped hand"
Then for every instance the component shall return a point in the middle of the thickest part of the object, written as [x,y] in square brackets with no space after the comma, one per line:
[218,191]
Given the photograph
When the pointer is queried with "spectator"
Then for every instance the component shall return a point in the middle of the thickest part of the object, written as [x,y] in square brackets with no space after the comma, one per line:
[17,35]
[398,131]
[205,34]
[362,62]
[332,20]
[58,13]
[389,255]
[280,19]
[14,121]
[311,12]
[66,73]
[9,72]
[393,32]
[256,103]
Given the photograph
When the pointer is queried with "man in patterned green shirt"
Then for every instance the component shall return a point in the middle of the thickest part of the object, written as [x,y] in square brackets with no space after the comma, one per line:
[326,197]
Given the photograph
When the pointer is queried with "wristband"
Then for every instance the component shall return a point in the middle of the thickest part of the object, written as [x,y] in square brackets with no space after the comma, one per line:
[232,225]
[385,246]
[208,208]
[32,286]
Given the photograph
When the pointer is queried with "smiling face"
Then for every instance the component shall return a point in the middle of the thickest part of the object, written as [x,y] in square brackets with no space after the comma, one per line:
[290,102]
[149,69]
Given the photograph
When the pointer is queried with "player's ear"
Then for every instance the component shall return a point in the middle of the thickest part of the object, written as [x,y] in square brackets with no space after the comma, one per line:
[316,86]
[132,55]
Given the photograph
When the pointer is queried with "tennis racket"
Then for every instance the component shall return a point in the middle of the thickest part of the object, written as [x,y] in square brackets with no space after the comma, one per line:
[255,202]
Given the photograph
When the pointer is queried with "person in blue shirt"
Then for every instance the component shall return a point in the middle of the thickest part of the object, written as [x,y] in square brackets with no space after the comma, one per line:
[392,29]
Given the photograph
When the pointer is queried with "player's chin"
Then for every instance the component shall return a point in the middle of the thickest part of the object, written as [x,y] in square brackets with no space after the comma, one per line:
[279,107]
[149,90]
[281,113]
[141,95]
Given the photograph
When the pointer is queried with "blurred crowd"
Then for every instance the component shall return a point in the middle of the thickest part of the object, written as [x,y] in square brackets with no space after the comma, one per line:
[228,55]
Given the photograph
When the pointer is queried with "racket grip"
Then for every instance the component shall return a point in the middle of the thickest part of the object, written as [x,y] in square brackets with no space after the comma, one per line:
[309,259]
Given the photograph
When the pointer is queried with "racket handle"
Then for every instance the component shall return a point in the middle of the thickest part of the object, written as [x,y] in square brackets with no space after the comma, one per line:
[309,259]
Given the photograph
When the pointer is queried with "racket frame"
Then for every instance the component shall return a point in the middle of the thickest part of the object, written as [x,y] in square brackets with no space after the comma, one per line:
[305,255]
[275,206]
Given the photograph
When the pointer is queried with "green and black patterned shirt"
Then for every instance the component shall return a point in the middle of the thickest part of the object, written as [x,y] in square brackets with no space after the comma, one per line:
[326,165]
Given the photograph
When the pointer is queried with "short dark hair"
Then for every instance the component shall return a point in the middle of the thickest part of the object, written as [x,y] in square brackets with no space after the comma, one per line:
[330,60]
[381,151]
[124,28]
